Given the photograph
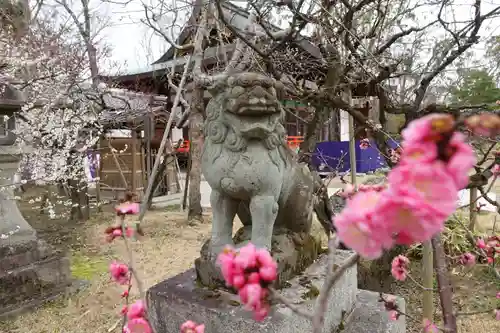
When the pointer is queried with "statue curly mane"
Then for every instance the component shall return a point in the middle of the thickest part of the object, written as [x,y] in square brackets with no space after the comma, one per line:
[221,137]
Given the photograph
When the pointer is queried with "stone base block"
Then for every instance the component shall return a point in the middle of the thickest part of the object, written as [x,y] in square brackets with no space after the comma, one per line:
[369,316]
[180,298]
[30,274]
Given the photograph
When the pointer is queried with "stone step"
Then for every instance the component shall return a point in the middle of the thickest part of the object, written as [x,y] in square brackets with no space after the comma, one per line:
[369,315]
[22,254]
[33,282]
[178,299]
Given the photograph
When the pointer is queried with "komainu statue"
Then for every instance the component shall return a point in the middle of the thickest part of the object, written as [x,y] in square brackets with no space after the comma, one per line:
[252,172]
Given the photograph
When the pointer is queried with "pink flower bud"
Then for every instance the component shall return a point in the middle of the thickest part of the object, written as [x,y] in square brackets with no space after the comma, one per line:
[139,325]
[136,310]
[191,327]
[468,259]
[268,273]
[480,243]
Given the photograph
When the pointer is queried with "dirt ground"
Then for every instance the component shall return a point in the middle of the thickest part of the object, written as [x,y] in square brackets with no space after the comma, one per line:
[169,247]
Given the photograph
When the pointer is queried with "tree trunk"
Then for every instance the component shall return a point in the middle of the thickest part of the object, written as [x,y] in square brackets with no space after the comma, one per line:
[80,209]
[156,181]
[308,146]
[196,145]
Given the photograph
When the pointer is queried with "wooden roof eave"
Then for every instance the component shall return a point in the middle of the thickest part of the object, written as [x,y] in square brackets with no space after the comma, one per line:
[211,56]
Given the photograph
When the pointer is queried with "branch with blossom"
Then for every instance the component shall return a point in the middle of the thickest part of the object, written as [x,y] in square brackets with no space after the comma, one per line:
[377,218]
[134,315]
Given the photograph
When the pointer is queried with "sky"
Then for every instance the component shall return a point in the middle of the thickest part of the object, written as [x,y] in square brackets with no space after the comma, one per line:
[135,46]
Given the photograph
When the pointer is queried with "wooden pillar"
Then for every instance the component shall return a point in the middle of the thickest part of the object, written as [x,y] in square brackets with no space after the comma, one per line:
[148,136]
[473,209]
[97,166]
[133,177]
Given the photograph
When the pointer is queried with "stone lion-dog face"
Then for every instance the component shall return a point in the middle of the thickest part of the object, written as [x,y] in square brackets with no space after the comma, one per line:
[245,107]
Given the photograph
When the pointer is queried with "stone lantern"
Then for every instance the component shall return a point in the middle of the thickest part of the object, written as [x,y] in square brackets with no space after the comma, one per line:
[30,270]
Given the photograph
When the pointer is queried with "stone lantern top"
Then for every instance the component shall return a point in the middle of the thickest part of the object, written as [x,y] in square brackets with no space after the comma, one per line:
[11,100]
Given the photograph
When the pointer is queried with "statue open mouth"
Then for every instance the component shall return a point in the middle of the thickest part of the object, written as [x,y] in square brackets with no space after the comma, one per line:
[256,110]
[256,131]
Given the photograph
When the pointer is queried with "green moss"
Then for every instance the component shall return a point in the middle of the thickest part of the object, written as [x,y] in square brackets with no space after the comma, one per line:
[234,303]
[312,293]
[341,326]
[85,268]
[172,208]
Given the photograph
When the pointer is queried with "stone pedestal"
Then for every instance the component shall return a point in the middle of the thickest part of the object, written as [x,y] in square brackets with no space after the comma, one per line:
[293,251]
[30,271]
[180,298]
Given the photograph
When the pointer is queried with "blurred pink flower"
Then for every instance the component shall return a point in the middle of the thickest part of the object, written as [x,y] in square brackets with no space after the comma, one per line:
[119,272]
[468,259]
[191,327]
[484,124]
[480,243]
[359,230]
[127,208]
[496,170]
[364,144]
[138,325]
[428,128]
[393,315]
[136,310]
[461,160]
[399,267]
[429,327]
[418,152]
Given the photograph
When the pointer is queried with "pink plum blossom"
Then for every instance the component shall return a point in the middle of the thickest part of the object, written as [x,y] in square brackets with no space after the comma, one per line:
[348,191]
[250,271]
[116,231]
[419,153]
[484,124]
[409,205]
[427,128]
[129,232]
[137,325]
[136,310]
[399,267]
[468,259]
[358,229]
[119,272]
[429,182]
[498,295]
[364,144]
[496,170]
[430,327]
[497,314]
[393,315]
[480,243]
[191,327]
[461,160]
[408,218]
[127,208]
